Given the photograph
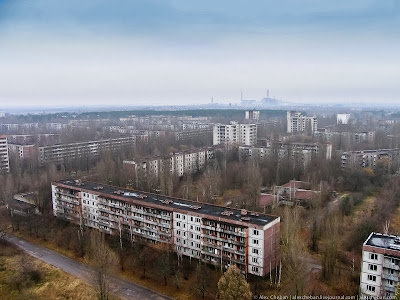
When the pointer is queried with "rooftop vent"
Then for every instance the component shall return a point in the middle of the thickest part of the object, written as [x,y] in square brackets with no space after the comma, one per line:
[227,213]
[79,182]
[167,201]
[255,214]
[196,207]
[245,218]
[98,187]
[397,240]
[118,192]
[243,212]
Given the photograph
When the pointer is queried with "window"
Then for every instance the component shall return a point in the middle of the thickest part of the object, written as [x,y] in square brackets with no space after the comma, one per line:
[373,256]
[254,269]
[370,288]
[254,259]
[371,277]
[255,242]
[255,251]
[183,217]
[372,267]
[191,219]
[390,282]
[256,232]
[178,224]
[178,216]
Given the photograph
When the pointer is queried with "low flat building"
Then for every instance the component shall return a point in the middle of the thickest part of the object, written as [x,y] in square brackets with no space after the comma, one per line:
[380,266]
[210,233]
[23,204]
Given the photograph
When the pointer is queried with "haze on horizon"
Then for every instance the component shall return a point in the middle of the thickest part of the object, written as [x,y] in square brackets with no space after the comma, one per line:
[139,52]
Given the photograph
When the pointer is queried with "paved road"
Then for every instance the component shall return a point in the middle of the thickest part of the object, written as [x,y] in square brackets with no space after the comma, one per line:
[119,287]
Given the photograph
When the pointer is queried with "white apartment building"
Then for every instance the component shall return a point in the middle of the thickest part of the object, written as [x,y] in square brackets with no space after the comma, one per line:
[252,115]
[296,122]
[213,234]
[4,158]
[342,119]
[235,133]
[380,266]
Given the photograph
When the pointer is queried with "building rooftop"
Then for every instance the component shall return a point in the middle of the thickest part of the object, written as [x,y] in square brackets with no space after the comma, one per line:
[383,241]
[171,202]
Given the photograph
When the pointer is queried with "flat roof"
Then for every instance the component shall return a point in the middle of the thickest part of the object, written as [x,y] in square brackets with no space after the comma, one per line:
[382,241]
[181,204]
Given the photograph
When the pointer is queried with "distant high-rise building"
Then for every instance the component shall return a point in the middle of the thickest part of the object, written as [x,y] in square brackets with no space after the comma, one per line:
[235,133]
[252,114]
[4,159]
[342,119]
[296,122]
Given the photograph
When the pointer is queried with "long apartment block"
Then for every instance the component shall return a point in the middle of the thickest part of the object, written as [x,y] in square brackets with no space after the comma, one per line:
[283,149]
[178,163]
[62,152]
[380,269]
[213,234]
[370,158]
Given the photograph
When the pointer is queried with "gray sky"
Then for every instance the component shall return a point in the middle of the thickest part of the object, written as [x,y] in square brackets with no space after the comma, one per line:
[180,51]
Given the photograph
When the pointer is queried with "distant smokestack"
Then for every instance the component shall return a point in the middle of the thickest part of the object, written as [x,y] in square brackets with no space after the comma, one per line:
[267,93]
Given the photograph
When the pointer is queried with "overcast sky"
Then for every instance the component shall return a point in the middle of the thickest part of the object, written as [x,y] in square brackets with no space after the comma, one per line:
[185,52]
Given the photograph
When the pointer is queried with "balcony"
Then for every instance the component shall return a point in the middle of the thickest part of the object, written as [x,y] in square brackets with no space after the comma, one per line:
[391,266]
[389,288]
[390,277]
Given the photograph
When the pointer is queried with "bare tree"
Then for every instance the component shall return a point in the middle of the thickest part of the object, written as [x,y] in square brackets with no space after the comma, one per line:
[102,258]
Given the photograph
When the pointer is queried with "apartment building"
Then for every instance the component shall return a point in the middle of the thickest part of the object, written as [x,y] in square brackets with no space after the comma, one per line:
[178,163]
[345,138]
[23,151]
[41,139]
[252,115]
[235,134]
[4,159]
[370,158]
[205,134]
[91,149]
[19,126]
[213,234]
[294,150]
[343,119]
[296,122]
[380,266]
